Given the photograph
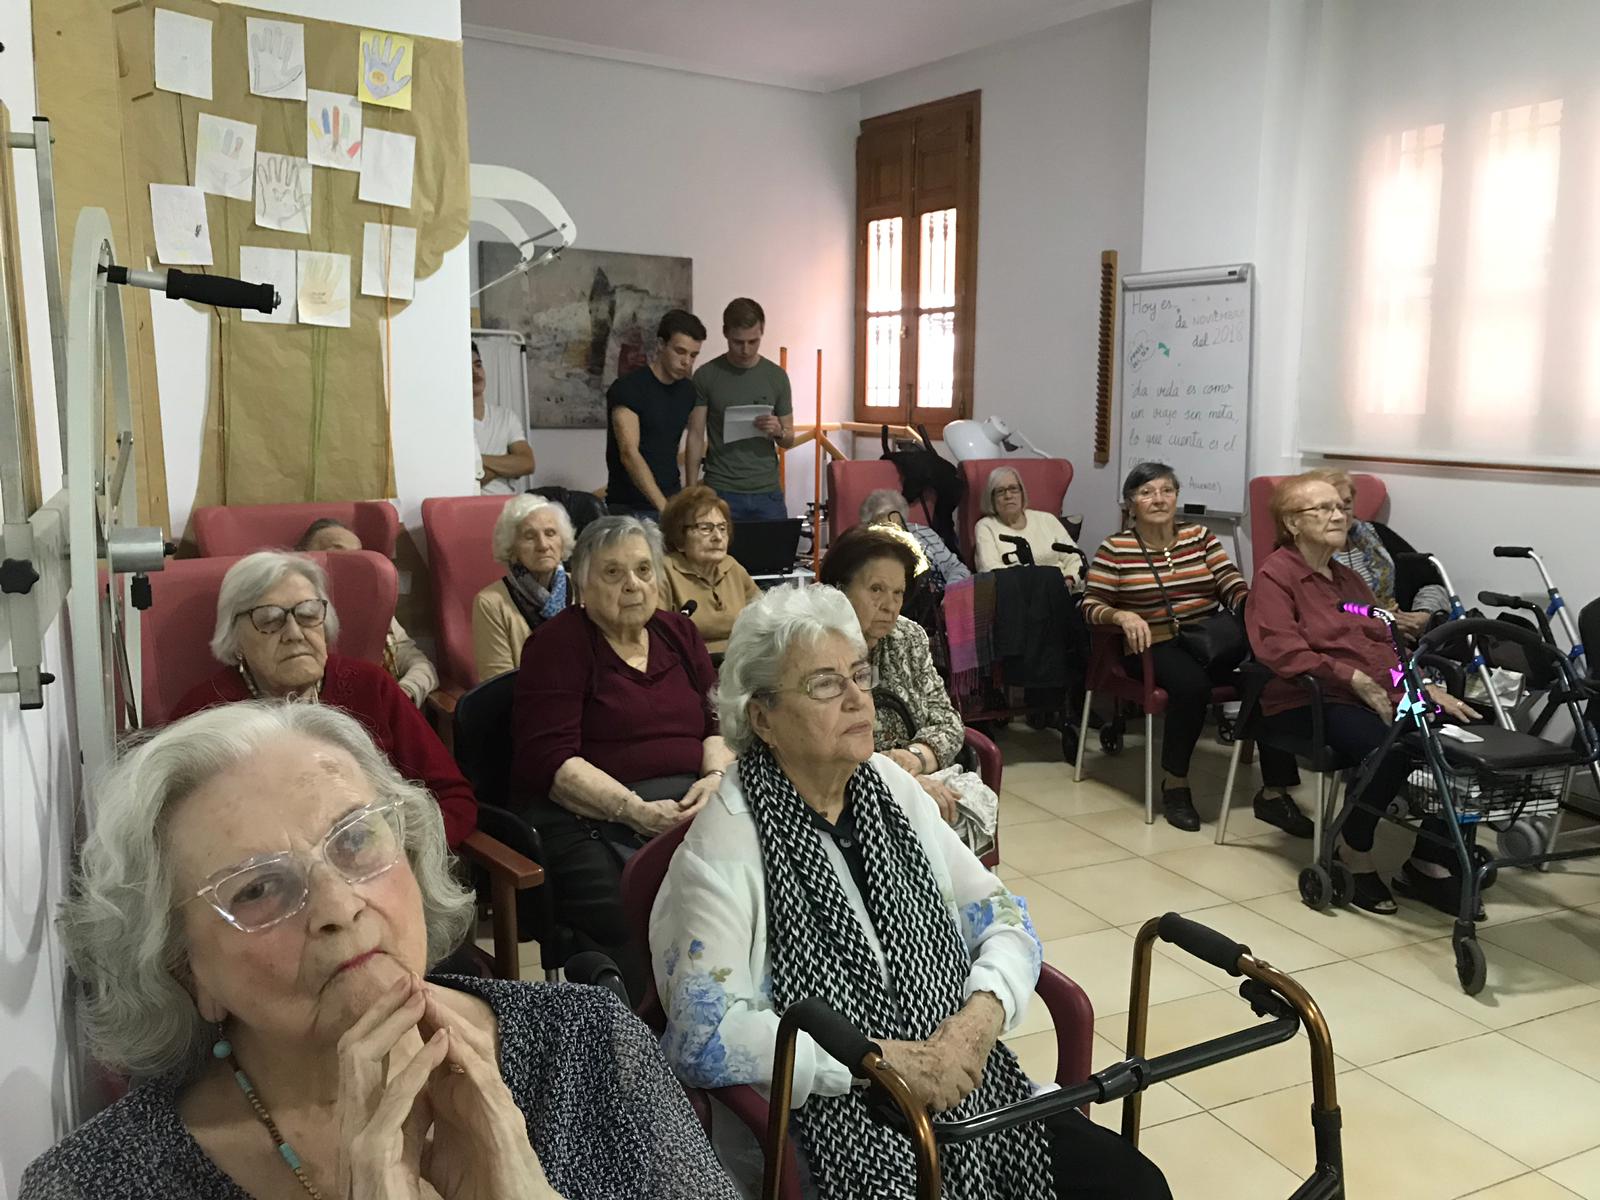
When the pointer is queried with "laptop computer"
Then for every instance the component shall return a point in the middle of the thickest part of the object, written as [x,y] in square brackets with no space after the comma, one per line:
[766,547]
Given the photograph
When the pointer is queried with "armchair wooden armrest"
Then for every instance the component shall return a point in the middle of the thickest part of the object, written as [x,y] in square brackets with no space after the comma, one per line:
[509,873]
[440,709]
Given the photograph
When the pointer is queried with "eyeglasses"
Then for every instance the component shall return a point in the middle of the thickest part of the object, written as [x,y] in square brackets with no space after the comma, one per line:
[1009,489]
[1328,509]
[262,891]
[269,618]
[710,528]
[1152,493]
[830,685]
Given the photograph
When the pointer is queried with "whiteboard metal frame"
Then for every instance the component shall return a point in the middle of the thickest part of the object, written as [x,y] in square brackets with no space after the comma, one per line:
[1145,281]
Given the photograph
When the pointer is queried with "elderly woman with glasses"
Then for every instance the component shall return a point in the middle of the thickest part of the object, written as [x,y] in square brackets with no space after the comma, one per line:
[697,529]
[1297,628]
[1146,580]
[1006,515]
[613,736]
[822,869]
[274,627]
[251,919]
[532,536]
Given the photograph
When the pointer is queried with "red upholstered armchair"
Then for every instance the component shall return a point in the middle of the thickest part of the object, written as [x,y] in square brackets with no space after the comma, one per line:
[1371,495]
[1046,481]
[176,629]
[1069,1006]
[243,528]
[1108,674]
[460,564]
[851,480]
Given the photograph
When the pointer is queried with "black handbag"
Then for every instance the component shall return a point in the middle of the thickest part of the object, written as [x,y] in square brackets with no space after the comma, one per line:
[1218,642]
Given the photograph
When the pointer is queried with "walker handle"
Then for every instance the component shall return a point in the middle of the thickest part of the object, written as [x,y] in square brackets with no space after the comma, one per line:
[833,1033]
[1513,551]
[1203,942]
[1502,600]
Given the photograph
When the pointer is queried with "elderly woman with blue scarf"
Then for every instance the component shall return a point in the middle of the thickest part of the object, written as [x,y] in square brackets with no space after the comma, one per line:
[533,536]
[822,869]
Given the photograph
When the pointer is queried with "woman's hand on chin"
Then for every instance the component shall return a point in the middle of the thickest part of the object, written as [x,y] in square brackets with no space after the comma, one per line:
[480,1148]
[383,1123]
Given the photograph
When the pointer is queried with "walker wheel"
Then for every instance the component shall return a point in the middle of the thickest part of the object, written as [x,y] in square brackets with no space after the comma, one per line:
[1069,742]
[1471,968]
[1479,857]
[1316,887]
[1521,839]
[1111,739]
[1344,884]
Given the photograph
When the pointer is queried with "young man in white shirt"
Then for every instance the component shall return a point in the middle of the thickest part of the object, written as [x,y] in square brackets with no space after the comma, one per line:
[504,455]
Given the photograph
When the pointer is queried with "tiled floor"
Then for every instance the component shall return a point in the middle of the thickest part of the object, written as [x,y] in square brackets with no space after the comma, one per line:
[1444,1095]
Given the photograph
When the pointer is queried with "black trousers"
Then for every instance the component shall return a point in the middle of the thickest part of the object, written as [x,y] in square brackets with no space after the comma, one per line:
[1354,731]
[1092,1163]
[1188,686]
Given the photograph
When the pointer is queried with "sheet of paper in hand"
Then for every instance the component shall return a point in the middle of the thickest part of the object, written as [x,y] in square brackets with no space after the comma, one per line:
[283,193]
[324,291]
[225,157]
[388,162]
[277,52]
[183,53]
[333,130]
[739,422]
[183,235]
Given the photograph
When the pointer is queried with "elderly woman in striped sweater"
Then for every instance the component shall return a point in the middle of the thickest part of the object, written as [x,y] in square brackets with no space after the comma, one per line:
[1145,580]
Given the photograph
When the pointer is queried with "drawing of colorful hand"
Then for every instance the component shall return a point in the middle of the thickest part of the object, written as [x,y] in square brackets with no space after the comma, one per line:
[382,66]
[276,59]
[233,148]
[332,128]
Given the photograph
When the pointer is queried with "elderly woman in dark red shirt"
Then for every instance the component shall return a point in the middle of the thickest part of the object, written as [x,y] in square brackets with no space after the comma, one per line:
[274,626]
[615,738]
[1296,628]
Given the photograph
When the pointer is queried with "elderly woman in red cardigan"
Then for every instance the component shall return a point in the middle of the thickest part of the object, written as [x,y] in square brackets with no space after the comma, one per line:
[274,626]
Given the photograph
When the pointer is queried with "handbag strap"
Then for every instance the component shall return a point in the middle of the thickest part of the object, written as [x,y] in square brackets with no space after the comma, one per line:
[1172,613]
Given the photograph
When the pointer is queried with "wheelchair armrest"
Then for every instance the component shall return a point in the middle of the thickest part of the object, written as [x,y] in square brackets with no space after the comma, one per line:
[752,1110]
[1073,1016]
[509,873]
[990,761]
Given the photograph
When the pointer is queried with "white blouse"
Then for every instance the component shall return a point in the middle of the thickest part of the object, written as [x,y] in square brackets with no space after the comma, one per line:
[1042,533]
[708,941]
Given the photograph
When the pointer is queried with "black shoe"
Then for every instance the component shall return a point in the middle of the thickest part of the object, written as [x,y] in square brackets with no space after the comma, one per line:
[1178,804]
[1282,812]
[1371,894]
[1442,894]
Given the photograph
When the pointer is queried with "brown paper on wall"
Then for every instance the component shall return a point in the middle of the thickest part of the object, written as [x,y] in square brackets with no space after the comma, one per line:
[267,380]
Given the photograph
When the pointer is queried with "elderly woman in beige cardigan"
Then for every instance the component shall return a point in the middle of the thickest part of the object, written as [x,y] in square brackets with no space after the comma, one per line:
[533,537]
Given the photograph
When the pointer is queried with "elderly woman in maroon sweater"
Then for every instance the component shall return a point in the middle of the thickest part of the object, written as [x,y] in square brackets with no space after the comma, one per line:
[615,736]
[274,625]
[1296,629]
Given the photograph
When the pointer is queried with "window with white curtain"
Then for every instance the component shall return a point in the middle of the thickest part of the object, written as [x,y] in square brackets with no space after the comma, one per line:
[1453,257]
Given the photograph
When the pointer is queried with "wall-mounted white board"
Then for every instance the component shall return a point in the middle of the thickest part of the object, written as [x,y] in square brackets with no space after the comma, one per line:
[1185,370]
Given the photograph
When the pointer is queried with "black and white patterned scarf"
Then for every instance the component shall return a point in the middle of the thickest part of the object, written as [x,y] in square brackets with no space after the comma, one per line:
[818,948]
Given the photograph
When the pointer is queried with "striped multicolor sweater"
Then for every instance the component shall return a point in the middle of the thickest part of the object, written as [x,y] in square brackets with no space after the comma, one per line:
[1196,570]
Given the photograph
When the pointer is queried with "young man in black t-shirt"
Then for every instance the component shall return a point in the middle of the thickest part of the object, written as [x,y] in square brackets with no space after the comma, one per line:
[646,412]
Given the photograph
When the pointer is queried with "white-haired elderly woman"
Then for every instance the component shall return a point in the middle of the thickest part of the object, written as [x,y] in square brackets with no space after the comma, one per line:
[886,506]
[253,914]
[822,869]
[614,738]
[274,626]
[532,537]
[1006,515]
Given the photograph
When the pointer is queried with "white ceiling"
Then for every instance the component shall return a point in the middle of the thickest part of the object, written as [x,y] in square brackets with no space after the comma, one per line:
[816,45]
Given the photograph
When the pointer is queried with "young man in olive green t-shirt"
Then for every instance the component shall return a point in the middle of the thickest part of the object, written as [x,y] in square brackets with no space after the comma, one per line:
[743,472]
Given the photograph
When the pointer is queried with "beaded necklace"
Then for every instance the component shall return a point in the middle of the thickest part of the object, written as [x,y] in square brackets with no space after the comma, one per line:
[223,1049]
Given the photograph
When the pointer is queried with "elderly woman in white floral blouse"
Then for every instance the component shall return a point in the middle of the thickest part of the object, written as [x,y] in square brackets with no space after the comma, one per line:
[822,869]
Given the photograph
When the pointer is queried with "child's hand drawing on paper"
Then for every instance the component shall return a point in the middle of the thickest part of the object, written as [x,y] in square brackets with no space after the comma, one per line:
[285,198]
[276,58]
[381,66]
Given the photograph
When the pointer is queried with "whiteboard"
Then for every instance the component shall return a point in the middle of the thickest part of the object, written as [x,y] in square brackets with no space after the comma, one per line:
[1185,371]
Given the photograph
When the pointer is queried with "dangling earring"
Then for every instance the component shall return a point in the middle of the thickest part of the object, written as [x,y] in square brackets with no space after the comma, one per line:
[222,1047]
